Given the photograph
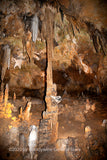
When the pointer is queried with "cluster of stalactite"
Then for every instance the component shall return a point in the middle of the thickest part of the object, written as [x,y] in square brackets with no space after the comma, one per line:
[98,37]
[99,40]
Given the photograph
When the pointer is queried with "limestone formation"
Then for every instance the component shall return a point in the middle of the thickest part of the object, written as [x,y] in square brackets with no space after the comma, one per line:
[25,115]
[6,60]
[88,106]
[51,113]
[14,96]
[35,26]
[6,95]
[1,96]
[93,107]
[66,43]
[29,45]
[87,131]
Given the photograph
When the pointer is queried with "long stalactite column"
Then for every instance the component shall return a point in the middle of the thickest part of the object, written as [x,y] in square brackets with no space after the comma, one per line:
[49,49]
[51,113]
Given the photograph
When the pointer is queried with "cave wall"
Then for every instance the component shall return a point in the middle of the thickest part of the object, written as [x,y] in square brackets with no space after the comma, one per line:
[80,33]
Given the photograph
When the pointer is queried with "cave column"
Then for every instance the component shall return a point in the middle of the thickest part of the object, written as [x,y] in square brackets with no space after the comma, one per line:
[49,50]
[51,112]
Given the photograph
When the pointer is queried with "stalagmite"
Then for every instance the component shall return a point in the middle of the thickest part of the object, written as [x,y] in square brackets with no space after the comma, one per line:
[25,115]
[88,105]
[27,111]
[20,114]
[24,98]
[14,96]
[93,108]
[87,131]
[32,141]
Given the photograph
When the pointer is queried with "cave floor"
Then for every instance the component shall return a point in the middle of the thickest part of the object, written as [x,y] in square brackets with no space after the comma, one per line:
[73,117]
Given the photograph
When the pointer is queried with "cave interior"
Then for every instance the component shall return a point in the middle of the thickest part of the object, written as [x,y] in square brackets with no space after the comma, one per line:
[53,79]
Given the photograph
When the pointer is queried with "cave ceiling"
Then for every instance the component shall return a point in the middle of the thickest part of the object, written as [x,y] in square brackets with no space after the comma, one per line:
[87,14]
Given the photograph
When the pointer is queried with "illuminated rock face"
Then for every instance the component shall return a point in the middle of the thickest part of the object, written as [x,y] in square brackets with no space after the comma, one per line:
[77,33]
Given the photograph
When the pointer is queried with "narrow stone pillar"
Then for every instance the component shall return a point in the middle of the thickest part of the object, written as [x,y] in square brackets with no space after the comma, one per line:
[49,123]
[51,112]
[49,46]
[14,97]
